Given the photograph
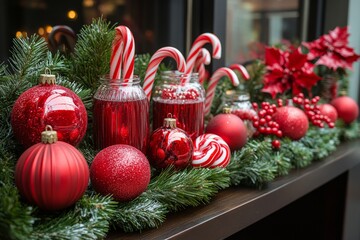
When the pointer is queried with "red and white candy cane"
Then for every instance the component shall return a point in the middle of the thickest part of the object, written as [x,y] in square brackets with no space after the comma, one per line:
[240,68]
[199,42]
[204,58]
[218,74]
[154,63]
[123,54]
[210,151]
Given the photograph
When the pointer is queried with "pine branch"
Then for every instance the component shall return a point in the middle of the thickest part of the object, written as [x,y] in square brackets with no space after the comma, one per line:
[139,214]
[26,57]
[88,220]
[252,165]
[299,154]
[348,131]
[92,51]
[141,64]
[321,141]
[16,221]
[189,187]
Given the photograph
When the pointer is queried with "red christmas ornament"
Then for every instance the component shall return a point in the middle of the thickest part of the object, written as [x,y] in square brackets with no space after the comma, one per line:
[120,170]
[346,108]
[170,146]
[329,111]
[230,128]
[48,104]
[52,174]
[292,122]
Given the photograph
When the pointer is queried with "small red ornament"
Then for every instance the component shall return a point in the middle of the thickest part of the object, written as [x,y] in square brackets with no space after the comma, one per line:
[48,104]
[210,151]
[346,108]
[329,111]
[52,174]
[120,170]
[170,146]
[292,122]
[230,128]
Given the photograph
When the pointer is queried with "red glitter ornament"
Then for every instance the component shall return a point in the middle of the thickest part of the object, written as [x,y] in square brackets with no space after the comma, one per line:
[170,146]
[120,170]
[230,128]
[48,104]
[52,174]
[346,108]
[329,111]
[292,122]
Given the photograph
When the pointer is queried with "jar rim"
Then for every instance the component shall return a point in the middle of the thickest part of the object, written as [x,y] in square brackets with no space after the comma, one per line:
[106,78]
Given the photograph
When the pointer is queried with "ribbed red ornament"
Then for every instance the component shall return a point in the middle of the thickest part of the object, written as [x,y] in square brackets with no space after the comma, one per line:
[52,176]
[48,104]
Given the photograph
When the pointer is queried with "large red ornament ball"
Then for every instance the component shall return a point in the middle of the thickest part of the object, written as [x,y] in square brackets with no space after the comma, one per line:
[48,104]
[120,170]
[170,146]
[230,128]
[346,108]
[292,122]
[329,111]
[52,176]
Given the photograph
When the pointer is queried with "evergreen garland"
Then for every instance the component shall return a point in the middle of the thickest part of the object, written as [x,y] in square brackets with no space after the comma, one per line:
[93,215]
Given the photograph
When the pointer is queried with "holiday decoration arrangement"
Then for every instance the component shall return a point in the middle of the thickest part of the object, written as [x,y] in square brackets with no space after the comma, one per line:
[104,139]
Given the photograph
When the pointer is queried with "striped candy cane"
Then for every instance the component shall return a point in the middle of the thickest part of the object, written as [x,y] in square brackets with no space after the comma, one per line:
[123,54]
[218,74]
[203,58]
[197,46]
[210,151]
[240,68]
[154,63]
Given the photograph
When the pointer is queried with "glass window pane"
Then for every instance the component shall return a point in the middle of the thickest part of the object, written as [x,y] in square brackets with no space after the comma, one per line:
[252,24]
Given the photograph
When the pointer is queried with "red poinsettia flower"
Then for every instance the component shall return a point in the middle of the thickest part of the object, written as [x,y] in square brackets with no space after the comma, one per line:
[332,50]
[288,70]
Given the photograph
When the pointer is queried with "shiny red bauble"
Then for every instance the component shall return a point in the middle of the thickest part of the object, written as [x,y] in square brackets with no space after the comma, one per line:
[292,121]
[48,104]
[230,128]
[329,111]
[170,146]
[121,171]
[347,108]
[52,176]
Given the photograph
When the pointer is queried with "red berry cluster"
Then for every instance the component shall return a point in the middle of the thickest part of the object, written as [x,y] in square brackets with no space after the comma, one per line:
[177,93]
[312,110]
[264,122]
[244,114]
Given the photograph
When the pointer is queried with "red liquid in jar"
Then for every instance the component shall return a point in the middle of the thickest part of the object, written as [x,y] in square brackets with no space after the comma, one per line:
[189,115]
[121,123]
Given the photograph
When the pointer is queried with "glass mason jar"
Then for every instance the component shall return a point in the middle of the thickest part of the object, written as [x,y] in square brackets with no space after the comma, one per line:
[183,97]
[121,114]
[240,105]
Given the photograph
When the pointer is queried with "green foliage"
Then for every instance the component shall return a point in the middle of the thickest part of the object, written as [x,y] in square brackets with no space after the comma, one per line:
[140,214]
[16,221]
[255,84]
[89,219]
[253,164]
[91,58]
[189,187]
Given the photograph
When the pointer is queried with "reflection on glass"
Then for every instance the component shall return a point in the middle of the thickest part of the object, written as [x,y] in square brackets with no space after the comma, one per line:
[252,24]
